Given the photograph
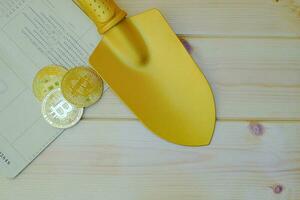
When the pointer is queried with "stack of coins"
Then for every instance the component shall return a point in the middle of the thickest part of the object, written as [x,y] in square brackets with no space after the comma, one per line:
[64,94]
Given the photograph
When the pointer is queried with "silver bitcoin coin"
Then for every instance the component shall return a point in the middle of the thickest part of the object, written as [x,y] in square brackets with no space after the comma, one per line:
[58,112]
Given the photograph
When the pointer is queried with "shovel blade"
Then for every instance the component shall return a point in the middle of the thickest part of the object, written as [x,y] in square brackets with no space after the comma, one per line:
[147,66]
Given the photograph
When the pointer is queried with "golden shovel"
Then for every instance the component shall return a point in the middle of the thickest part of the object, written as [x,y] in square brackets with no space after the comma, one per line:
[146,65]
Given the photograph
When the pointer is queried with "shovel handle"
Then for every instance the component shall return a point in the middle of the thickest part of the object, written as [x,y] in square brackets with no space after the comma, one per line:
[104,13]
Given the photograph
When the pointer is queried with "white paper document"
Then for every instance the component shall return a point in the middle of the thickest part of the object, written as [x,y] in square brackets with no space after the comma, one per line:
[34,34]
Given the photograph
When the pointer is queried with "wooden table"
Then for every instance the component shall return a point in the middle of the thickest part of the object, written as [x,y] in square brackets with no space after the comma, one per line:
[250,53]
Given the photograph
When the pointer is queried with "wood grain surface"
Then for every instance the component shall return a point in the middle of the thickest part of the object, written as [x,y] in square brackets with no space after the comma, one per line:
[277,18]
[112,159]
[250,53]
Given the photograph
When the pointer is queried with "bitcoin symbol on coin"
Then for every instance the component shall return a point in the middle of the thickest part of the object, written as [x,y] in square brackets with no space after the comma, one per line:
[82,86]
[61,110]
[58,112]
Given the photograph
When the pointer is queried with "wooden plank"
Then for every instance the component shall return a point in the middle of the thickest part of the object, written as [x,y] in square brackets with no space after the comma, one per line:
[231,17]
[251,79]
[122,160]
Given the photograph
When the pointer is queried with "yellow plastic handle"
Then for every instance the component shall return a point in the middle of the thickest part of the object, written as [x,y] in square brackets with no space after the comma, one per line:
[104,13]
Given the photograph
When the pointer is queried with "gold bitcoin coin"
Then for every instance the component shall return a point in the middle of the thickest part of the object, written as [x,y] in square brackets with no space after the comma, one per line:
[82,86]
[58,112]
[47,79]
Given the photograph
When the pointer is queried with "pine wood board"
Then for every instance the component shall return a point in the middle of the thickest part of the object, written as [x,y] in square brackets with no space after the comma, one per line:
[122,160]
[250,53]
[230,17]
